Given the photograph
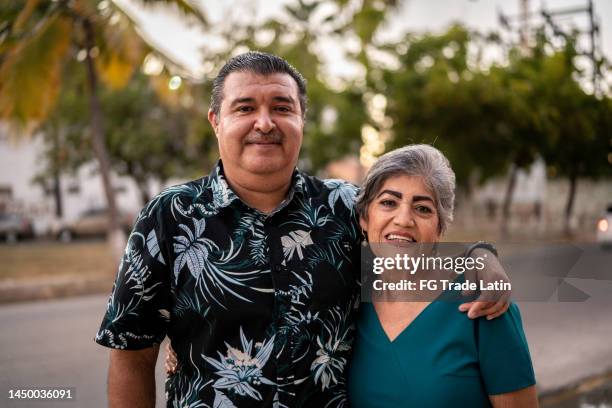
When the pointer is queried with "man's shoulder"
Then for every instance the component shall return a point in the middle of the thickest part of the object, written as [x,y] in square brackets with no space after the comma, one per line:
[177,197]
[331,191]
[315,185]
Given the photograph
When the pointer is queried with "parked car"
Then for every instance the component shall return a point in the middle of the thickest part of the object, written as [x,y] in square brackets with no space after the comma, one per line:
[604,228]
[91,223]
[14,227]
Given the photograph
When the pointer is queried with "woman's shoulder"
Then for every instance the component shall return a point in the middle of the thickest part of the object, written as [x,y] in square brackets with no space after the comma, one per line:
[510,323]
[504,358]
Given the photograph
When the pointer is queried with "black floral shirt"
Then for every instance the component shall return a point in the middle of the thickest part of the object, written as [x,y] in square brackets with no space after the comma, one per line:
[259,307]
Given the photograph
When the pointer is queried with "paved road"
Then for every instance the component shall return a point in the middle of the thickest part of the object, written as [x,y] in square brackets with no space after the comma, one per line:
[572,339]
[51,343]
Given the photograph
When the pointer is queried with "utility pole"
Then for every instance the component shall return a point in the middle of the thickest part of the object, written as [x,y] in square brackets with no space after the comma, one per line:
[524,19]
[551,20]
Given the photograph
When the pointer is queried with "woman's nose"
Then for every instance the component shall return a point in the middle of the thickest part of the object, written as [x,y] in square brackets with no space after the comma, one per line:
[404,218]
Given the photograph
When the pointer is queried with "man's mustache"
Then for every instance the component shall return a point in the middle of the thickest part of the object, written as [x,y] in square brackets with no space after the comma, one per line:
[273,137]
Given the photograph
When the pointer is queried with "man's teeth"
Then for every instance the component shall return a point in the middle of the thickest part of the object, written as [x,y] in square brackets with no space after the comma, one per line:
[399,237]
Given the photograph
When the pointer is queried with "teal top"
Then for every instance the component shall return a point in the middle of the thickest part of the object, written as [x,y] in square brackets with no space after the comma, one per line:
[442,359]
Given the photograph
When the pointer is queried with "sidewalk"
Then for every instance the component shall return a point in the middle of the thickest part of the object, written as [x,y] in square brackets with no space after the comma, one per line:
[12,290]
[569,342]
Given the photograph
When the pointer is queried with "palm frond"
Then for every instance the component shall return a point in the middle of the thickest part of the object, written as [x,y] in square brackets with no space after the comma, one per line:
[30,73]
[186,7]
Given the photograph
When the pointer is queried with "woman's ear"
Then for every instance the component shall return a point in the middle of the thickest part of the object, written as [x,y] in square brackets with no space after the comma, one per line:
[363,224]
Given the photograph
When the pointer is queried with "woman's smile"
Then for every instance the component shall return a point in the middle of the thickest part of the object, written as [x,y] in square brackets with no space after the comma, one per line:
[403,212]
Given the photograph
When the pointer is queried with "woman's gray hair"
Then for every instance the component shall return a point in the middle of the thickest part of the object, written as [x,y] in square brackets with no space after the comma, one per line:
[413,160]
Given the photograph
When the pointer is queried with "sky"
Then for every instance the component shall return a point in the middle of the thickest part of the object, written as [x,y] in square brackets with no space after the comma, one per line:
[174,37]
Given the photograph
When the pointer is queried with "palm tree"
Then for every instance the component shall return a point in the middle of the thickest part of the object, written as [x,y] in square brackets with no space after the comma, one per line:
[38,38]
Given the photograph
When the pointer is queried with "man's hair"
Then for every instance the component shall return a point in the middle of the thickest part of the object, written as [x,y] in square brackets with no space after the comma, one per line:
[259,63]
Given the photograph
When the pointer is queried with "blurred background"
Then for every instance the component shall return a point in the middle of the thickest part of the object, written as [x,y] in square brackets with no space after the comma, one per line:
[104,103]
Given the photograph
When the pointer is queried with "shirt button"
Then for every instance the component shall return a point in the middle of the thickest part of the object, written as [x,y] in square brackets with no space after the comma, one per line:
[277,268]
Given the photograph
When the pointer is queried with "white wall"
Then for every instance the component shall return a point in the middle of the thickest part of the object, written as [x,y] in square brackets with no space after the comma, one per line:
[20,162]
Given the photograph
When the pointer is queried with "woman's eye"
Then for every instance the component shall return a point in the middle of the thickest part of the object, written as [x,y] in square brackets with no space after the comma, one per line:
[387,203]
[424,210]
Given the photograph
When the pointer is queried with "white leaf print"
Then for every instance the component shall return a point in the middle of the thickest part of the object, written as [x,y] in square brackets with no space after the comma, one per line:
[295,242]
[345,191]
[221,401]
[153,247]
[192,249]
[241,372]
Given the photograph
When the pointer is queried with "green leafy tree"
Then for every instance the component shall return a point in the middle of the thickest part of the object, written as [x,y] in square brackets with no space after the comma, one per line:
[39,37]
[64,147]
[150,139]
[335,116]
[437,97]
[576,125]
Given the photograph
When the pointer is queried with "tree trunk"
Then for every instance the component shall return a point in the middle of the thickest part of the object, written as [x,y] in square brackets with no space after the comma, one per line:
[56,166]
[116,237]
[144,192]
[508,200]
[569,206]
[140,180]
[57,194]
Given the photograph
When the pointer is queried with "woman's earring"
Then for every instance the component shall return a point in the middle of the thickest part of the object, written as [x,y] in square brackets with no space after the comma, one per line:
[364,237]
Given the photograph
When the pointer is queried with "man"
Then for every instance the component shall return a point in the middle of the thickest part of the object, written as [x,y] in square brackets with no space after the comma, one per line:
[251,271]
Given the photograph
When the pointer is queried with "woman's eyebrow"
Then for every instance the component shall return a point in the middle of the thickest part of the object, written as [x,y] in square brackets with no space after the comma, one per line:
[422,198]
[392,192]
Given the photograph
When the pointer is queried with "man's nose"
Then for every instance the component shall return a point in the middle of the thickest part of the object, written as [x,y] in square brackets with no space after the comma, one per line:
[264,122]
[404,217]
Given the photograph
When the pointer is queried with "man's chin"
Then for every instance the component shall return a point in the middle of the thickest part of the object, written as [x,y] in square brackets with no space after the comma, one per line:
[267,166]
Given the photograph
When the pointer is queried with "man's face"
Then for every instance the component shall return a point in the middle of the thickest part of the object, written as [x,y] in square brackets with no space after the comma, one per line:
[260,125]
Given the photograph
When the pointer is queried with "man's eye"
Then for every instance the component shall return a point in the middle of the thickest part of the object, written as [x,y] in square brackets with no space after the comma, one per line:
[282,109]
[245,109]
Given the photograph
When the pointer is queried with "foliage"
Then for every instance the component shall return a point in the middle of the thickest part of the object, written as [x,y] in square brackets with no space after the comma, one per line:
[484,117]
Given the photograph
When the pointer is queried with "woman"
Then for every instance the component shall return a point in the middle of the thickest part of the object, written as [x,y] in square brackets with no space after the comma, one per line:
[424,354]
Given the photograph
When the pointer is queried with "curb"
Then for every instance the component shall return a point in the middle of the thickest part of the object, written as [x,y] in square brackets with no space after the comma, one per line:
[570,392]
[12,291]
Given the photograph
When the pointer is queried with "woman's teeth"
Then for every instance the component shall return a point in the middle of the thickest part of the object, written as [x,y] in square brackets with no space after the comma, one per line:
[393,237]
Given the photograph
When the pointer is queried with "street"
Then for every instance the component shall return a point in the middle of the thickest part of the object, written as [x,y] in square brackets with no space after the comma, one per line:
[50,344]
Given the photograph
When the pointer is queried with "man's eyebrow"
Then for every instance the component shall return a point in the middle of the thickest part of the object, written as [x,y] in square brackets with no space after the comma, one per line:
[286,99]
[392,192]
[242,100]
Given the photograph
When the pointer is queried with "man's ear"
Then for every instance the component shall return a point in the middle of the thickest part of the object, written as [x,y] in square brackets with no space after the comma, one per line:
[212,118]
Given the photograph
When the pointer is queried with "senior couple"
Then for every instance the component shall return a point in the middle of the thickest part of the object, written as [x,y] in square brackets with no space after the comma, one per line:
[253,274]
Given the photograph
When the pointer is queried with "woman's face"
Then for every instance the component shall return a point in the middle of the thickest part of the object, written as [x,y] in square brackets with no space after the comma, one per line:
[403,210]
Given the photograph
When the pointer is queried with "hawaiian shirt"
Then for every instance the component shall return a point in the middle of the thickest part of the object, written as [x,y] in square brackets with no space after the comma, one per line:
[259,308]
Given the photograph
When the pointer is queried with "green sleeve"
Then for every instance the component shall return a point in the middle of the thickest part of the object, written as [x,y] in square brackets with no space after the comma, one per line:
[503,353]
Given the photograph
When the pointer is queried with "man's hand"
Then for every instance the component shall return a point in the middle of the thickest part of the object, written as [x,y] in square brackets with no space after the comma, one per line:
[490,309]
[171,361]
[131,378]
[491,304]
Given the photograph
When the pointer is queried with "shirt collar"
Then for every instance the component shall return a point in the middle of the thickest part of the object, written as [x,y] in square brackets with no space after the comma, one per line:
[223,195]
